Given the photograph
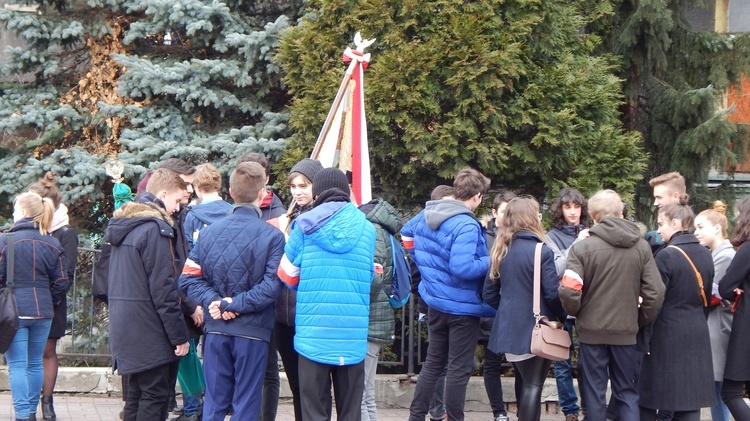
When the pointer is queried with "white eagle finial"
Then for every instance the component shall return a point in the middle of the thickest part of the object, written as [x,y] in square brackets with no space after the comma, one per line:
[360,43]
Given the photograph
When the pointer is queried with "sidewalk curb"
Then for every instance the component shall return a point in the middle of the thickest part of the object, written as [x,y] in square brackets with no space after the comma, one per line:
[394,391]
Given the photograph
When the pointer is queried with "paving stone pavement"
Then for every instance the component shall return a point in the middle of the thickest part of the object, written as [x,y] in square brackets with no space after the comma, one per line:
[94,407]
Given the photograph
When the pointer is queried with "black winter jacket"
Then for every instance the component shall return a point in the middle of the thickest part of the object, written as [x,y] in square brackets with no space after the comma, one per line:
[181,251]
[146,322]
[677,374]
[738,276]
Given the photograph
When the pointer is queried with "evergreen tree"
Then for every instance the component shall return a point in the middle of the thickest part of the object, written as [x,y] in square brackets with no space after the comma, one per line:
[512,88]
[675,79]
[142,80]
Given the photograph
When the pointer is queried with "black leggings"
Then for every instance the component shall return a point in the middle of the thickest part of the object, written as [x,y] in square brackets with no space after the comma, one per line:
[731,394]
[648,414]
[530,376]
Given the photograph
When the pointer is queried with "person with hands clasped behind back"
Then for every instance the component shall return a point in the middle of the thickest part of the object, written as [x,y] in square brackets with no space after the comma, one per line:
[231,271]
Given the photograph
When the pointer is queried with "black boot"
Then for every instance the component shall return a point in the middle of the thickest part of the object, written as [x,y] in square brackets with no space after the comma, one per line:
[48,409]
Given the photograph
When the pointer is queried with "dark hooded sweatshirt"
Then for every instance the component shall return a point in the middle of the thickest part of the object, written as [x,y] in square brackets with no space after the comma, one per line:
[615,266]
[145,319]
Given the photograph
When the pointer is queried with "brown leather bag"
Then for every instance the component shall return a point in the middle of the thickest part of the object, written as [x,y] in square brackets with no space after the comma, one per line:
[547,341]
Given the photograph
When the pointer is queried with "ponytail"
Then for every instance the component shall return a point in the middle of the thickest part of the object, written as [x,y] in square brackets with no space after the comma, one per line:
[44,219]
[36,207]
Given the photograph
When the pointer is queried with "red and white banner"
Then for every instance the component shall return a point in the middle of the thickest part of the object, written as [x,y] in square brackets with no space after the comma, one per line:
[342,142]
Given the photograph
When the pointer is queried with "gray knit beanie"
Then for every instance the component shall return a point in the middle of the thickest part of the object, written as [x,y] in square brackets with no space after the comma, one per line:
[330,178]
[307,167]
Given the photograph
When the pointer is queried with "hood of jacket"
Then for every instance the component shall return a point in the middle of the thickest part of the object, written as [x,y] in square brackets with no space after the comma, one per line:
[132,215]
[618,232]
[380,212]
[333,226]
[438,211]
[211,211]
[59,218]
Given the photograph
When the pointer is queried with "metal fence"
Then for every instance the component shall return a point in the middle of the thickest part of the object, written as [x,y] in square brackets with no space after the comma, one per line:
[86,342]
[88,319]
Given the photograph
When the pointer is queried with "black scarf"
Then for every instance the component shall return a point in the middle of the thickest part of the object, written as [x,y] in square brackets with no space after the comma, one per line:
[331,195]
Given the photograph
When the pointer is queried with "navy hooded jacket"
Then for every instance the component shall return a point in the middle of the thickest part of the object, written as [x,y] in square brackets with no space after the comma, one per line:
[201,216]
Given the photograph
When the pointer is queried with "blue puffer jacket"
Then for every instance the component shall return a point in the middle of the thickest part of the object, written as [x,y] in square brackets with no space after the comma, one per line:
[448,245]
[40,279]
[237,256]
[329,259]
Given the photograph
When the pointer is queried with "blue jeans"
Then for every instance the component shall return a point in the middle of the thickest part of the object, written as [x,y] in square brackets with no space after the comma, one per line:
[566,392]
[191,403]
[719,412]
[24,358]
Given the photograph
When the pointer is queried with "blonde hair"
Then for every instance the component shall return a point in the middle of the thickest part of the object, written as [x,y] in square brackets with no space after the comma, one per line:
[717,216]
[521,214]
[37,207]
[605,203]
[207,178]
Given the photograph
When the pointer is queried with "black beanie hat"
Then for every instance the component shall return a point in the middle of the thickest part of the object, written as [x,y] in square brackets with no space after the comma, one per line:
[330,178]
[307,167]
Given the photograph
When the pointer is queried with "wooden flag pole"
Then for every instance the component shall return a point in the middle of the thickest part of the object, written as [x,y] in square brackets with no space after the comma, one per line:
[332,112]
[360,45]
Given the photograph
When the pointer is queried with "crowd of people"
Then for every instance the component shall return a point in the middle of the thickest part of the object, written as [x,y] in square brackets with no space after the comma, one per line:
[658,315]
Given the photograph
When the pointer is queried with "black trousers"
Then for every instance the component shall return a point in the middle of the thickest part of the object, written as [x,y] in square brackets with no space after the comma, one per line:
[619,364]
[492,382]
[270,401]
[731,394]
[315,390]
[452,343]
[284,340]
[648,414]
[530,375]
[148,394]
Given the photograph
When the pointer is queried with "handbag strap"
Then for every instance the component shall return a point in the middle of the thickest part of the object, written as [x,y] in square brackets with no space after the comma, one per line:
[697,274]
[11,257]
[537,282]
